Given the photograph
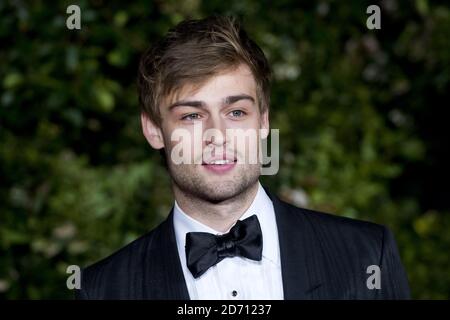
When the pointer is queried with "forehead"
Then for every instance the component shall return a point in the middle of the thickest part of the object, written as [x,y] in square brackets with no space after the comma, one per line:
[238,80]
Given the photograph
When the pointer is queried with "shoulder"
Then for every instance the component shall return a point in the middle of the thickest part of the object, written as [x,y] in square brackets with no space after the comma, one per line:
[124,255]
[333,233]
[344,249]
[110,274]
[320,222]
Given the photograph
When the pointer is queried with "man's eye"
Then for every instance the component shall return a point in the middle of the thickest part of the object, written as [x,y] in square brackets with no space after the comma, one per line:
[190,117]
[237,113]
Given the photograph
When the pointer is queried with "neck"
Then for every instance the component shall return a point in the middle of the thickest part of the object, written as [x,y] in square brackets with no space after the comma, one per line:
[219,216]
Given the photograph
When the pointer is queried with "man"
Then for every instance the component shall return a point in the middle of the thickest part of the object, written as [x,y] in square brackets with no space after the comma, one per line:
[226,236]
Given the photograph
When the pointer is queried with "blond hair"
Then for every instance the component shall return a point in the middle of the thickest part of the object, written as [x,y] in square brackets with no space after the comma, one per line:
[194,51]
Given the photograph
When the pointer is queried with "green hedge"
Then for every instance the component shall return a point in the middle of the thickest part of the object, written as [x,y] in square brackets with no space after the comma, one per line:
[78,180]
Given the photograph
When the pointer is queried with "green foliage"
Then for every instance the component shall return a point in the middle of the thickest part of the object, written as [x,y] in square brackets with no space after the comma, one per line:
[78,180]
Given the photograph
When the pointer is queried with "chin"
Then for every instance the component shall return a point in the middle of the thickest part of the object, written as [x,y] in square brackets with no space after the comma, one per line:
[219,191]
[215,188]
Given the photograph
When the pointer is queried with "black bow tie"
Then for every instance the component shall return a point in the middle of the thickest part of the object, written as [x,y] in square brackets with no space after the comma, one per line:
[204,250]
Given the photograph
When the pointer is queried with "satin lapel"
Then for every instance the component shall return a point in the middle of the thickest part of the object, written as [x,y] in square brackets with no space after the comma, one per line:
[165,273]
[299,251]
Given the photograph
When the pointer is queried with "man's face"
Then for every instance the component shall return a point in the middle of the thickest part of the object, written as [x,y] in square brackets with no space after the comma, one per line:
[222,164]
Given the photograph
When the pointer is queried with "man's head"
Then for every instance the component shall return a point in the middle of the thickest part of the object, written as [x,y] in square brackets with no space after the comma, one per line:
[209,74]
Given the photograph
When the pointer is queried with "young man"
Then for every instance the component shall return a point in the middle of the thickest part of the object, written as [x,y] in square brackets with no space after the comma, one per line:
[226,236]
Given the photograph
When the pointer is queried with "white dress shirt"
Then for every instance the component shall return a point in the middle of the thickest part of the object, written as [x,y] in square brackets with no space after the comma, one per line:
[237,277]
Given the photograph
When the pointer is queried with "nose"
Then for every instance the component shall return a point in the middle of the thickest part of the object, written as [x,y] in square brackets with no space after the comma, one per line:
[215,131]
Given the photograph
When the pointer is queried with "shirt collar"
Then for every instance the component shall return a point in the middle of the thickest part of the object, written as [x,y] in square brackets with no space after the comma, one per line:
[261,206]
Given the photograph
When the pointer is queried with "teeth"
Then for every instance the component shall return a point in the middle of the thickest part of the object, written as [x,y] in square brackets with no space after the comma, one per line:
[220,162]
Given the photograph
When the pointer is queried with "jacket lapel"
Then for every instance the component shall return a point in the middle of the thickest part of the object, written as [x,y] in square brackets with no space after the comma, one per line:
[300,253]
[165,274]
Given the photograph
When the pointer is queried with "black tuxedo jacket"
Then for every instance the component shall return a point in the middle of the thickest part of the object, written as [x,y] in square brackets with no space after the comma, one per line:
[322,257]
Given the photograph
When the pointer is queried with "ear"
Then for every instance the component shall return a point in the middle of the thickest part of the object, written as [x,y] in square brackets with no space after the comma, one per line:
[265,124]
[152,132]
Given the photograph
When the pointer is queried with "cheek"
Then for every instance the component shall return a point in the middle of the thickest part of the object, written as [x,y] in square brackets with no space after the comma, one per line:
[246,145]
[184,145]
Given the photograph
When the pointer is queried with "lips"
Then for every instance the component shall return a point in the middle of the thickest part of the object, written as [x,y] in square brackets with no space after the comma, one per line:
[219,166]
[218,158]
[219,162]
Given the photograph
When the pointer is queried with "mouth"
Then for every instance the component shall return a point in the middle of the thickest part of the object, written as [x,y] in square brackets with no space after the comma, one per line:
[219,162]
[219,166]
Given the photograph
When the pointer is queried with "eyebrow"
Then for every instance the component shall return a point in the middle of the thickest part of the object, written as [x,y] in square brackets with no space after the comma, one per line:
[232,99]
[201,104]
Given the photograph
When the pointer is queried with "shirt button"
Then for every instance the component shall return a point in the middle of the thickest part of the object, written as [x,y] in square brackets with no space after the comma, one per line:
[234,293]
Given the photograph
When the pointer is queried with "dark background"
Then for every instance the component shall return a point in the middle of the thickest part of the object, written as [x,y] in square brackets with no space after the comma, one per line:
[362,116]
